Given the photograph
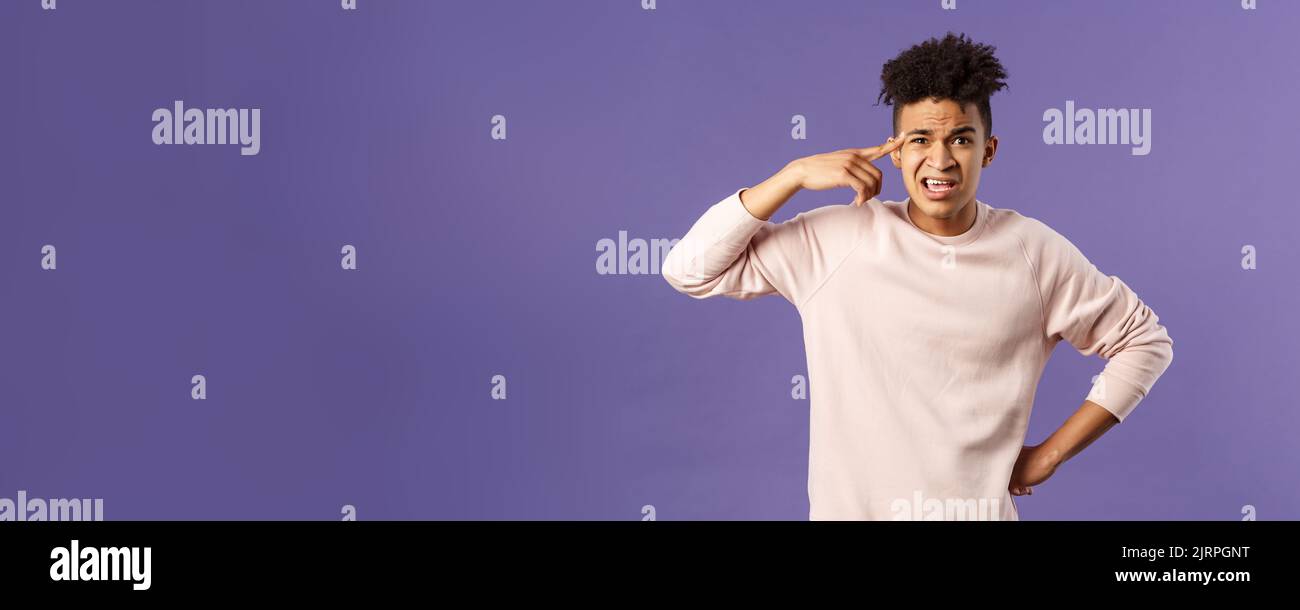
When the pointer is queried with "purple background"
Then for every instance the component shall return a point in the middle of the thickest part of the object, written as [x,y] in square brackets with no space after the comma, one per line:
[476,257]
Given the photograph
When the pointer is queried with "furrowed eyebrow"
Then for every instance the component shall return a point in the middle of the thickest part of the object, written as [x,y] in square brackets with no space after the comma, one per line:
[955,132]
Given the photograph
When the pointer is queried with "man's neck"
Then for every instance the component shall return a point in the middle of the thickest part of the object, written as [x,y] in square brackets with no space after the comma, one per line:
[944,227]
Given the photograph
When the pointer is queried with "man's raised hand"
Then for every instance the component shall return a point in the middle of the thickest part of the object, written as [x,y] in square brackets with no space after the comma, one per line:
[850,167]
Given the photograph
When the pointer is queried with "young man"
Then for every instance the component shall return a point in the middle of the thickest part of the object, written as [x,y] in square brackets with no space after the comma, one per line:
[927,322]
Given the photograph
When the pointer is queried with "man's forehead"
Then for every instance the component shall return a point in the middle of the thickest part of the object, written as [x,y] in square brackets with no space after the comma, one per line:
[938,118]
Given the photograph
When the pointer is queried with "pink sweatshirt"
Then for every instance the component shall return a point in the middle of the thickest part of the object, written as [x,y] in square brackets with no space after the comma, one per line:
[924,351]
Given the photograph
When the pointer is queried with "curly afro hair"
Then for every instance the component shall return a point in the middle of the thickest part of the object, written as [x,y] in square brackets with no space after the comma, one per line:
[954,68]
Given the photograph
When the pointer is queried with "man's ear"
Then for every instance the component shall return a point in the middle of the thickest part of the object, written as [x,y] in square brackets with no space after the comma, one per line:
[896,158]
[990,150]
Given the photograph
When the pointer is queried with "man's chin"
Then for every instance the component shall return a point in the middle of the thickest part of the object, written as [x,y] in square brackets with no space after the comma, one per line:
[946,208]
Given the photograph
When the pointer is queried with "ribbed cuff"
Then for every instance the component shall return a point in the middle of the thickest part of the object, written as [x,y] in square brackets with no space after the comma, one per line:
[1116,395]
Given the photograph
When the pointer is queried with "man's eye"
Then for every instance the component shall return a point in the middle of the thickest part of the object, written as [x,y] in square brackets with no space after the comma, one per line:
[962,138]
[917,139]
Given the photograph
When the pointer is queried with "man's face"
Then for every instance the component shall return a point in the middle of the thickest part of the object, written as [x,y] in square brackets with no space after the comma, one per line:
[945,141]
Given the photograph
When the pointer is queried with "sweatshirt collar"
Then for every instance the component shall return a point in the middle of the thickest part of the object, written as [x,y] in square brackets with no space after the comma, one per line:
[981,217]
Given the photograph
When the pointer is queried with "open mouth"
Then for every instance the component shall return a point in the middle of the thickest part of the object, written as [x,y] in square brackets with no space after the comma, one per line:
[937,187]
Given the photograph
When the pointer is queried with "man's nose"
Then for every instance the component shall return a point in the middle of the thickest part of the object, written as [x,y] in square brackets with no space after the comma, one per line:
[939,157]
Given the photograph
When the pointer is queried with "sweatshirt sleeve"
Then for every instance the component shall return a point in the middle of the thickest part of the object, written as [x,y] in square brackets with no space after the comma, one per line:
[1100,314]
[730,252]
